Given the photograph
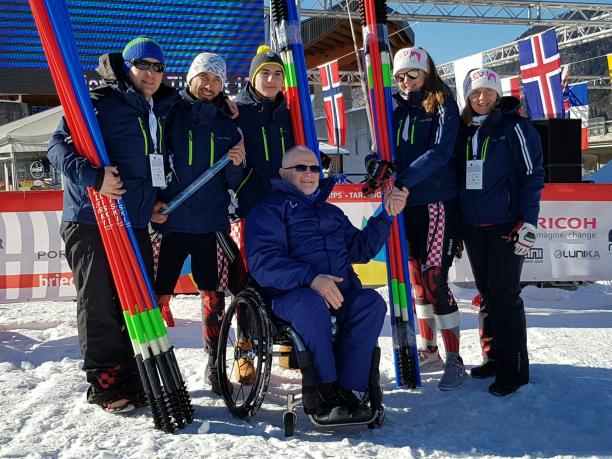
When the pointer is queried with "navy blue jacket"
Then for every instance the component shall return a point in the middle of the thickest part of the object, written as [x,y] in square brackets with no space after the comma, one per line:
[123,116]
[290,239]
[266,126]
[512,169]
[198,134]
[425,148]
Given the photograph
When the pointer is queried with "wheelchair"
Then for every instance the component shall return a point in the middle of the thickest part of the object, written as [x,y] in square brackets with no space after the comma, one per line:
[250,330]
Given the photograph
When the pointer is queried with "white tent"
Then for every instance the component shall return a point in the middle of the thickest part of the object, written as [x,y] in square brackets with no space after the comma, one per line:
[25,136]
[31,133]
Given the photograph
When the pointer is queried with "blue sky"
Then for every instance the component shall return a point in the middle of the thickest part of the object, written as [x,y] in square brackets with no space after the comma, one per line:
[449,41]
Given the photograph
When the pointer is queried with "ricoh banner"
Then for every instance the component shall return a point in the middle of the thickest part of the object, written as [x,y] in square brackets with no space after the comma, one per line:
[574,240]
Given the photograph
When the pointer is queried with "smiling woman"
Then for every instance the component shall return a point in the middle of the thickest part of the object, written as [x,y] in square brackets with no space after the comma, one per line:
[500,175]
[425,124]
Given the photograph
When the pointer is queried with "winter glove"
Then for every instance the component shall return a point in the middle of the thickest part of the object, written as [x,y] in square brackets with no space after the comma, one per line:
[524,236]
[379,172]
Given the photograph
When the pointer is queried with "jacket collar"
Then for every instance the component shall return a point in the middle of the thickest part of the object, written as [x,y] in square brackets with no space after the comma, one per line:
[414,99]
[509,107]
[248,96]
[326,186]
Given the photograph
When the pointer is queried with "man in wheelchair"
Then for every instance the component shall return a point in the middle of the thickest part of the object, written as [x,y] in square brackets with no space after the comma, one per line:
[300,250]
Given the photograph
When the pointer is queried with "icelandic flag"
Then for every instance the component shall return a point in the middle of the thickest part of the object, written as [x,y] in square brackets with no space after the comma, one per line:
[541,75]
[578,95]
[334,104]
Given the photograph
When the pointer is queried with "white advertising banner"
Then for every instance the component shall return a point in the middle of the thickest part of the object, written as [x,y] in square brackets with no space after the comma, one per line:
[574,240]
[33,263]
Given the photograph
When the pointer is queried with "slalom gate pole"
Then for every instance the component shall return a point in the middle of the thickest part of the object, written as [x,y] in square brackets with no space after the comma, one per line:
[169,401]
[378,70]
[196,185]
[288,39]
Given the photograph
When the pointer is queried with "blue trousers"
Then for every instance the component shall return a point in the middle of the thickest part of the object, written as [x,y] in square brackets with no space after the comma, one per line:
[359,322]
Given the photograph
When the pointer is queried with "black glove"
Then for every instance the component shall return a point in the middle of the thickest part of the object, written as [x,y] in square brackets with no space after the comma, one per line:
[378,172]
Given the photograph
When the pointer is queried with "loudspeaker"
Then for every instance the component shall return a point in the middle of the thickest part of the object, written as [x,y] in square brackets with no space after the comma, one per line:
[561,139]
[563,173]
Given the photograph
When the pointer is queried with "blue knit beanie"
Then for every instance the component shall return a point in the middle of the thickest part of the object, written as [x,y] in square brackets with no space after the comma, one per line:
[141,48]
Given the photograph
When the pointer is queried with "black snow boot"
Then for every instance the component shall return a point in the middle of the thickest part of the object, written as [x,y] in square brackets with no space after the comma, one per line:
[358,411]
[330,409]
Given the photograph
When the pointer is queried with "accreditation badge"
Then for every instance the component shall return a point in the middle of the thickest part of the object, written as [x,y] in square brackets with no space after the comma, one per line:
[473,175]
[157,170]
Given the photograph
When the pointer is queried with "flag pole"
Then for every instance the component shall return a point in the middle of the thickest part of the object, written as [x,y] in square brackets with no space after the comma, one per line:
[364,91]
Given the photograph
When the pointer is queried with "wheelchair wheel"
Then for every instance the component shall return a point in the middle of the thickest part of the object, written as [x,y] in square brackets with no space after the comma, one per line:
[246,333]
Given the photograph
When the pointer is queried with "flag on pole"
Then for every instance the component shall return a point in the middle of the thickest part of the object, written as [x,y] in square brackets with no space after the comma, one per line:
[334,104]
[541,75]
[510,87]
[565,88]
[578,96]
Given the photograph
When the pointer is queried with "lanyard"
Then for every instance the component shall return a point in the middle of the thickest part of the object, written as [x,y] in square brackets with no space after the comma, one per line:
[474,142]
[152,125]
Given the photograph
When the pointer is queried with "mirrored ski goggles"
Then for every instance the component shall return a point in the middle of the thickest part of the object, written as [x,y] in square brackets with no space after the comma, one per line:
[411,74]
[303,168]
[142,64]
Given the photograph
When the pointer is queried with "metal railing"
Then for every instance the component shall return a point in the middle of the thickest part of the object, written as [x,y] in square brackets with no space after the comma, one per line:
[599,127]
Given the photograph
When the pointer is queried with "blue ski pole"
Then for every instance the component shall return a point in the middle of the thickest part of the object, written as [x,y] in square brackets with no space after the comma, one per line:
[196,185]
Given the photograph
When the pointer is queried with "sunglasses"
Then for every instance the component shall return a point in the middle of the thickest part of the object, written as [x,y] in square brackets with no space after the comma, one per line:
[411,74]
[142,64]
[304,168]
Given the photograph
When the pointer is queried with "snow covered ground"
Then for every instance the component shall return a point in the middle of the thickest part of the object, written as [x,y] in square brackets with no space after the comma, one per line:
[565,411]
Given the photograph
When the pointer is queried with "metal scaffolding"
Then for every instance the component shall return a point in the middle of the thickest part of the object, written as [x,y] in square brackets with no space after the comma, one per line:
[576,23]
[566,36]
[510,12]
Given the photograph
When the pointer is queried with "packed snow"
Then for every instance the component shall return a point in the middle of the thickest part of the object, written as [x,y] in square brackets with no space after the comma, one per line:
[565,411]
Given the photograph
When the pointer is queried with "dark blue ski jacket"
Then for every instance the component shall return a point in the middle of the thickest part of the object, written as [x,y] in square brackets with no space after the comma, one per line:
[512,169]
[291,239]
[123,116]
[198,134]
[425,148]
[266,126]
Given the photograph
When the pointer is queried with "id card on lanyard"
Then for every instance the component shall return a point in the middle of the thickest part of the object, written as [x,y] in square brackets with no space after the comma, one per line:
[474,168]
[473,174]
[156,160]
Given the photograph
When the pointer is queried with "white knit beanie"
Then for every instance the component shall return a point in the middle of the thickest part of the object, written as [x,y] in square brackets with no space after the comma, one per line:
[481,78]
[207,62]
[411,58]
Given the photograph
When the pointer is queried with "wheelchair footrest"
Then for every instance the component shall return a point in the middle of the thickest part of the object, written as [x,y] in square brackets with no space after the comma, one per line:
[349,421]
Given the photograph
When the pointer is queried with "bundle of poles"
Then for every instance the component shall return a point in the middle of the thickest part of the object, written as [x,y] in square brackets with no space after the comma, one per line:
[378,70]
[161,378]
[288,41]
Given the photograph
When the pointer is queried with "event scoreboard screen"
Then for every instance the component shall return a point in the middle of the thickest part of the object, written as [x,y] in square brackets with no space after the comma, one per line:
[232,28]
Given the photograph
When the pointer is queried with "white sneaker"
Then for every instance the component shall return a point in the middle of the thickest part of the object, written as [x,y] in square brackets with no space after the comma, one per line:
[430,361]
[454,371]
